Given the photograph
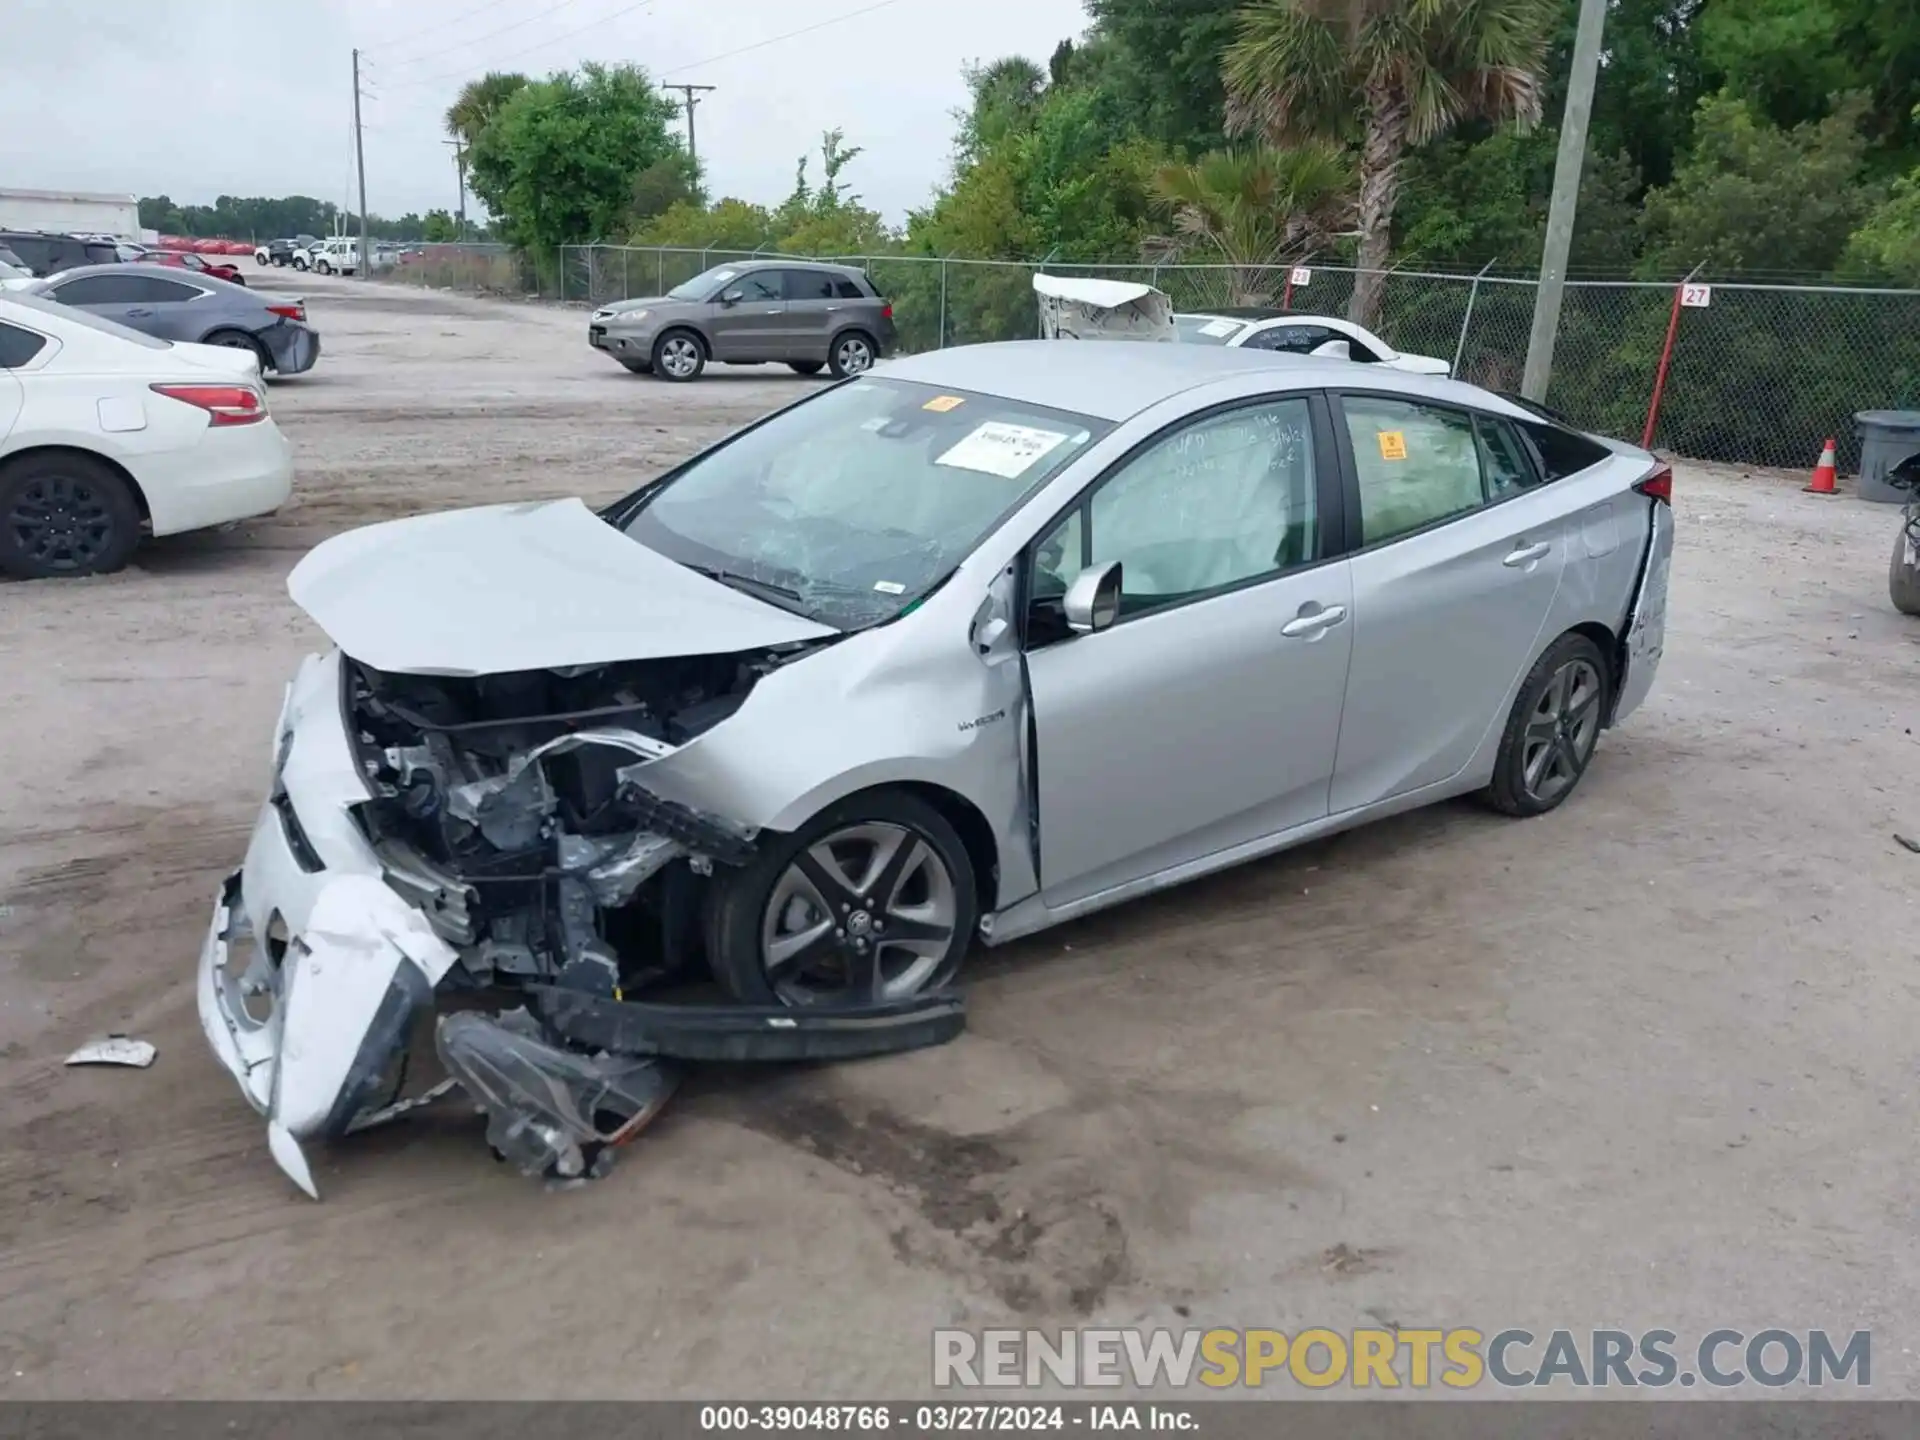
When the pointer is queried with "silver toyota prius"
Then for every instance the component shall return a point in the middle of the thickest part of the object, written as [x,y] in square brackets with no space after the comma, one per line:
[960,648]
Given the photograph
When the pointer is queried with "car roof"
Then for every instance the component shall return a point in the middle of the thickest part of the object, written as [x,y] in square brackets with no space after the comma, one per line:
[141,267]
[782,263]
[1117,379]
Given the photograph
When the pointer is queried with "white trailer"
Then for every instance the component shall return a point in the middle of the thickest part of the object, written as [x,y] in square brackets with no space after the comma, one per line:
[68,212]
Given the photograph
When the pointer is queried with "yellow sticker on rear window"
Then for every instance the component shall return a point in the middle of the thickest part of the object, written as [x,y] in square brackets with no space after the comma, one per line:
[944,403]
[1393,445]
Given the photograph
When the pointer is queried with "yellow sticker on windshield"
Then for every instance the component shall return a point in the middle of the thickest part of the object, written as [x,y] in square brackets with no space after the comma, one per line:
[943,403]
[1393,445]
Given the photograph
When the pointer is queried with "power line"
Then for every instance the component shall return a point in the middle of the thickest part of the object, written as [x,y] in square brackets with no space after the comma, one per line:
[466,71]
[448,24]
[776,39]
[469,44]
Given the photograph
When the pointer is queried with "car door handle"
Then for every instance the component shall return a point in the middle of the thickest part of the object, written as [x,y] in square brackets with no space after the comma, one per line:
[1527,554]
[1315,623]
[140,312]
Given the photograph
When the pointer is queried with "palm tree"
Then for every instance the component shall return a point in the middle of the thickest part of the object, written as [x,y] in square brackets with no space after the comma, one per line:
[1254,209]
[479,101]
[1005,96]
[1392,74]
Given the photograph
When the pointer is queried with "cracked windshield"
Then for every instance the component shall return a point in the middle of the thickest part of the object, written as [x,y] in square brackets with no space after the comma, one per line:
[850,507]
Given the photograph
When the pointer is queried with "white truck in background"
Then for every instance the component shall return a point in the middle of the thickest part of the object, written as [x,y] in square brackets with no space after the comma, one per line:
[70,212]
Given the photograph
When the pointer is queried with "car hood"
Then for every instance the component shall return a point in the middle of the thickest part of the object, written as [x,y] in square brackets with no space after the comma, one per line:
[537,586]
[621,307]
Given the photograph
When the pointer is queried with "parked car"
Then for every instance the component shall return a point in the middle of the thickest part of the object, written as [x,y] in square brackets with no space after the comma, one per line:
[1261,328]
[973,645]
[804,313]
[43,252]
[173,304]
[304,247]
[107,434]
[12,267]
[338,256]
[199,264]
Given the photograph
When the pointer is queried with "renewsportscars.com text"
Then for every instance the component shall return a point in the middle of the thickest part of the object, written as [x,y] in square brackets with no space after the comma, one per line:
[1458,1359]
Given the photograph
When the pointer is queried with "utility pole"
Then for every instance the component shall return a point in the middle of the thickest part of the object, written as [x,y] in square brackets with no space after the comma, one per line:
[1566,195]
[365,268]
[460,172]
[691,92]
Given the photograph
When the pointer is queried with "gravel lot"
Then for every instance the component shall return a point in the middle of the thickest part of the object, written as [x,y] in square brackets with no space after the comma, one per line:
[1642,1062]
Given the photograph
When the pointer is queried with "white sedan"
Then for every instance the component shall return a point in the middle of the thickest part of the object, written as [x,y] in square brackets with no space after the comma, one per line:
[1323,335]
[107,434]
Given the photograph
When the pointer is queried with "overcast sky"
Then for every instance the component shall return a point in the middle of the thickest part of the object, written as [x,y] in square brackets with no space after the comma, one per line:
[199,98]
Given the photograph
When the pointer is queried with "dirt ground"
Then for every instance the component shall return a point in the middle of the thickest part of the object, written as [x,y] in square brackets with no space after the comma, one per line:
[1645,1062]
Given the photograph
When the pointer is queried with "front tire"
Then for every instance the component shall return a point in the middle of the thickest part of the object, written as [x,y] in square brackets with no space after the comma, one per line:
[872,900]
[64,515]
[325,267]
[1903,580]
[679,356]
[1553,729]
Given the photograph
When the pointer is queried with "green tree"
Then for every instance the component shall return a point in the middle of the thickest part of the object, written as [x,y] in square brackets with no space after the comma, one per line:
[439,226]
[1006,96]
[1254,210]
[1752,198]
[668,182]
[479,101]
[557,162]
[1162,61]
[1392,74]
[728,224]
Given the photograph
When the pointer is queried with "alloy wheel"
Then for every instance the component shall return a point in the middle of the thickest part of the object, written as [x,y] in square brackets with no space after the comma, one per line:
[1561,732]
[62,522]
[866,913]
[679,357]
[855,355]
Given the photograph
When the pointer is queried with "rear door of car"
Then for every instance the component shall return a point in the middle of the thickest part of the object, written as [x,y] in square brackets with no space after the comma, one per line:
[749,320]
[1458,553]
[813,313]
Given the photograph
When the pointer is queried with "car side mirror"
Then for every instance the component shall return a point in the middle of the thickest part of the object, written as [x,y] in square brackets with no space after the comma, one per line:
[1093,600]
[1334,350]
[732,298]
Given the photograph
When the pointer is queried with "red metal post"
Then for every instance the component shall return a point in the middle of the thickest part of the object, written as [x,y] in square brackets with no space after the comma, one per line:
[1666,359]
[1286,299]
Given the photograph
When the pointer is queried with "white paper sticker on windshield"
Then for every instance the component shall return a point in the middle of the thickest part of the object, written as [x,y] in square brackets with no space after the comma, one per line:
[1219,327]
[1000,449]
[889,587]
[878,422]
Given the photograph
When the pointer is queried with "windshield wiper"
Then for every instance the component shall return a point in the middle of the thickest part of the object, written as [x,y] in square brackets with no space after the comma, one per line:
[737,581]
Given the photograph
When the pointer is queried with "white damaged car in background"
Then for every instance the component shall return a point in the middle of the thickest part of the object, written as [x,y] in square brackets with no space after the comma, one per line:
[896,668]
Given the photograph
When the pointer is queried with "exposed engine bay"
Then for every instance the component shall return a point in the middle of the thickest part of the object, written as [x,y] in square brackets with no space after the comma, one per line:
[511,812]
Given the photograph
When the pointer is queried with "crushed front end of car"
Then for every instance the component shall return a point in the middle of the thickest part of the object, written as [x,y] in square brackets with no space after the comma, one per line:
[491,837]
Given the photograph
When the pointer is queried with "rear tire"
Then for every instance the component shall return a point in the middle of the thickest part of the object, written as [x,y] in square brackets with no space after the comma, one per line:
[679,356]
[240,340]
[852,353]
[1553,729]
[805,367]
[919,931]
[1903,580]
[63,515]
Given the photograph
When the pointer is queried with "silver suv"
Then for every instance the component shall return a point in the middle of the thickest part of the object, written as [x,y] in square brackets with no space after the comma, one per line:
[802,313]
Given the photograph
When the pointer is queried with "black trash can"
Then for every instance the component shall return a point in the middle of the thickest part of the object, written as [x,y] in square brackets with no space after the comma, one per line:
[1887,438]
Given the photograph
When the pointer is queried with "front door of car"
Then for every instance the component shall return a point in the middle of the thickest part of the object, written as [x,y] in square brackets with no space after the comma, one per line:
[749,318]
[1208,713]
[1458,560]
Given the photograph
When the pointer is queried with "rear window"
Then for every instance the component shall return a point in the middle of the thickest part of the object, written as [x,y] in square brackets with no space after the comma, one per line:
[1563,453]
[847,289]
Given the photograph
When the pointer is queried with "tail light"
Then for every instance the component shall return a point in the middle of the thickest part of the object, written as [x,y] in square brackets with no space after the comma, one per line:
[886,311]
[295,311]
[1658,486]
[224,404]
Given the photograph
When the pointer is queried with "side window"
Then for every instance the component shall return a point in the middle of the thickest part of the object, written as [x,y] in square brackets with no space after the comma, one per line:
[1227,499]
[100,290]
[808,285]
[98,254]
[759,287]
[152,290]
[848,289]
[34,254]
[1562,452]
[1503,458]
[18,346]
[1416,464]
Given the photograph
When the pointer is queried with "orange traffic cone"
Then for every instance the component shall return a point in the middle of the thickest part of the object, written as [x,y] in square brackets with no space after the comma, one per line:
[1822,482]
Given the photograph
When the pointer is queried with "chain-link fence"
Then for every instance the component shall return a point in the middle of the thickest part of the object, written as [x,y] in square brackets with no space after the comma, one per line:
[1756,374]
